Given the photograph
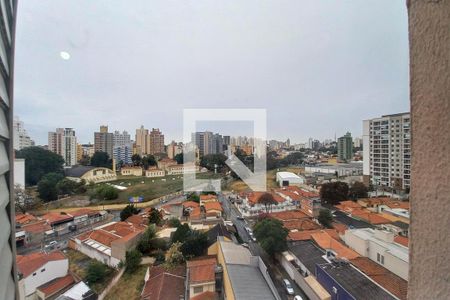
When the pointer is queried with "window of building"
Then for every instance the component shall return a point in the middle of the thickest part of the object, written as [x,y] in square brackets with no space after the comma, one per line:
[380,258]
[198,289]
[43,270]
[34,274]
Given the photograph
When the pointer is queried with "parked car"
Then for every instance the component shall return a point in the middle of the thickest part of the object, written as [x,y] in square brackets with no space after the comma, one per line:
[240,218]
[52,243]
[298,297]
[288,286]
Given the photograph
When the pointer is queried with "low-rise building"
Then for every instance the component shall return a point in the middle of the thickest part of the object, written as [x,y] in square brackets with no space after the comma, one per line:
[108,243]
[340,170]
[207,199]
[289,178]
[162,283]
[380,247]
[164,163]
[181,169]
[36,270]
[131,171]
[90,174]
[153,172]
[213,210]
[201,275]
[250,205]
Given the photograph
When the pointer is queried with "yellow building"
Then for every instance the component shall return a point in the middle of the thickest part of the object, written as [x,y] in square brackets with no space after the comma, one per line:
[90,174]
[131,171]
[79,152]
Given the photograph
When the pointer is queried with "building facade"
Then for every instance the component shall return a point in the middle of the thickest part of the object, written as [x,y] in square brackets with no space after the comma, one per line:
[121,138]
[63,142]
[345,147]
[123,153]
[104,141]
[387,151]
[156,141]
[21,137]
[8,278]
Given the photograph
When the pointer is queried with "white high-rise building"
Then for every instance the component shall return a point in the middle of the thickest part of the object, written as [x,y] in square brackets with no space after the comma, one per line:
[21,137]
[121,139]
[387,150]
[64,142]
[357,142]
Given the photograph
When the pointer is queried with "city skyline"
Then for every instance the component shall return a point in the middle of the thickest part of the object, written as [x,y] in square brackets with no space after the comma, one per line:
[310,64]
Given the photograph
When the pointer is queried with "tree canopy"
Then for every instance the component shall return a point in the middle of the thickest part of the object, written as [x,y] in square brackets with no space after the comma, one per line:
[96,272]
[179,158]
[271,235]
[47,186]
[132,260]
[210,160]
[325,217]
[39,162]
[128,211]
[358,190]
[267,200]
[155,216]
[333,192]
[101,159]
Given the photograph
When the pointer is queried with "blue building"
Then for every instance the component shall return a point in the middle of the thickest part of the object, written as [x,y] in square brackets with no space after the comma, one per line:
[123,153]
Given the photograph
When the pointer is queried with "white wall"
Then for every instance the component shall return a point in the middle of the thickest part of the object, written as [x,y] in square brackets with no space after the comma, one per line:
[53,269]
[366,147]
[19,172]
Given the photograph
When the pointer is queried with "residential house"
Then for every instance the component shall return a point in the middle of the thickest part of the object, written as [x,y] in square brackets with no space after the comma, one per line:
[207,199]
[201,275]
[164,163]
[213,233]
[213,210]
[250,205]
[131,171]
[37,269]
[181,169]
[108,243]
[379,246]
[162,283]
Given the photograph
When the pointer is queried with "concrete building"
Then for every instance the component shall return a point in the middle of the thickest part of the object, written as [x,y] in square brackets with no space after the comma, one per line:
[131,171]
[37,269]
[357,142]
[142,140]
[90,174]
[387,151]
[345,147]
[21,137]
[154,172]
[379,246]
[63,142]
[104,141]
[341,169]
[121,138]
[156,141]
[123,153]
[173,149]
[19,172]
[289,178]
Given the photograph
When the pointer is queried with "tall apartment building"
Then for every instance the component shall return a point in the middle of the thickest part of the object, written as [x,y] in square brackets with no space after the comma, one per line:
[121,138]
[122,154]
[387,150]
[21,137]
[156,141]
[63,141]
[208,142]
[142,140]
[104,141]
[357,142]
[345,147]
[173,149]
[8,277]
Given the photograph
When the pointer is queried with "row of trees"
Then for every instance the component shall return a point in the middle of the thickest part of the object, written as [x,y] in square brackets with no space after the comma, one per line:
[335,192]
[52,185]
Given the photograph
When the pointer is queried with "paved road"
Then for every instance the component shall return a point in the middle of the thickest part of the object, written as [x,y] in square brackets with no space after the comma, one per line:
[277,273]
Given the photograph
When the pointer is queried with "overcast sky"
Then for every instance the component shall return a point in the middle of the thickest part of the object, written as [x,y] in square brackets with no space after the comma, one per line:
[319,67]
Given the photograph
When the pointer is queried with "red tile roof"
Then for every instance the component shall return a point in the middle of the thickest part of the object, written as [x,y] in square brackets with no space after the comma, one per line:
[82,212]
[212,206]
[192,204]
[56,285]
[372,218]
[38,227]
[391,282]
[306,234]
[23,219]
[325,241]
[404,241]
[289,215]
[164,284]
[202,269]
[208,197]
[27,264]
[341,228]
[53,217]
[348,206]
[300,225]
[137,220]
[206,296]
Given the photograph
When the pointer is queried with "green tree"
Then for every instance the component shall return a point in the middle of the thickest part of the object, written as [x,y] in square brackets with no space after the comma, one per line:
[96,272]
[181,233]
[358,190]
[47,186]
[194,197]
[101,159]
[179,158]
[148,160]
[195,244]
[333,192]
[146,242]
[106,192]
[85,160]
[209,161]
[155,216]
[295,158]
[128,211]
[39,162]
[174,222]
[271,235]
[325,218]
[132,260]
[267,199]
[136,159]
[174,256]
[66,186]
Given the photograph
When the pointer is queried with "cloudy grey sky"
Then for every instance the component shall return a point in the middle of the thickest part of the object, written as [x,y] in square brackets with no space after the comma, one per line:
[319,67]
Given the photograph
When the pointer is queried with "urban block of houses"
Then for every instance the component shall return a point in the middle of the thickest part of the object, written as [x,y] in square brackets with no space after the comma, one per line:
[380,246]
[295,220]
[90,174]
[208,198]
[131,171]
[42,275]
[108,243]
